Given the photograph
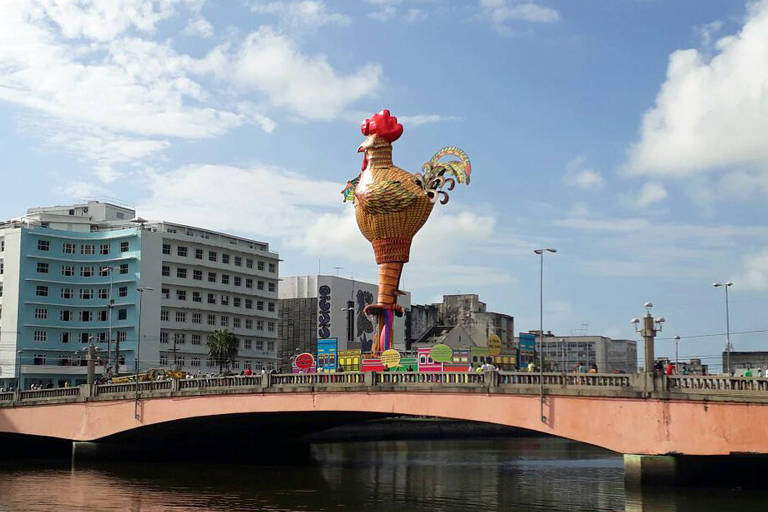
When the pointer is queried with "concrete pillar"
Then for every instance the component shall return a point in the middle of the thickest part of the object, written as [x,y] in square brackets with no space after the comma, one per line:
[642,469]
[368,376]
[661,470]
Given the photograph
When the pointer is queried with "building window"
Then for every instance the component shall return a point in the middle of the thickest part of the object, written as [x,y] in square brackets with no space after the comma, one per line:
[43,245]
[181,295]
[181,251]
[249,263]
[87,249]
[197,318]
[272,267]
[195,361]
[249,283]
[163,337]
[225,258]
[166,271]
[66,315]
[166,248]
[41,335]
[271,286]
[247,344]
[238,281]
[68,248]
[224,278]
[101,316]
[248,323]
[123,268]
[163,360]
[211,277]
[196,297]
[225,300]
[179,338]
[104,249]
[260,266]
[67,293]
[236,322]
[41,313]
[198,254]
[181,273]
[42,268]
[211,298]
[122,314]
[181,316]
[211,319]
[103,293]
[259,345]
[164,315]
[259,325]
[86,271]
[260,305]
[41,291]
[104,271]
[39,359]
[122,291]
[224,321]
[237,301]
[123,246]
[195,339]
[271,307]
[238,261]
[86,294]
[165,292]
[121,336]
[64,337]
[85,316]
[212,256]
[271,326]
[260,285]
[180,360]
[270,346]
[197,275]
[248,304]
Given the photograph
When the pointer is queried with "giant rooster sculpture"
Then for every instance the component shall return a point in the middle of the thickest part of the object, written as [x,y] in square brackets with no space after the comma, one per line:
[391,205]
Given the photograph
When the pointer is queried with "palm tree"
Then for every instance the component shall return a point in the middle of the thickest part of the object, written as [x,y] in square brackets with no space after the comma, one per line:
[222,348]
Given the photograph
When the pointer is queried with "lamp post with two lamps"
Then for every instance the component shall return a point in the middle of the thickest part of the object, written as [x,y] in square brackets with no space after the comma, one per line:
[725,285]
[541,252]
[650,327]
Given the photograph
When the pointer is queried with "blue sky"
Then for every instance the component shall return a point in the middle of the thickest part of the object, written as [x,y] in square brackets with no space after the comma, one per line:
[628,134]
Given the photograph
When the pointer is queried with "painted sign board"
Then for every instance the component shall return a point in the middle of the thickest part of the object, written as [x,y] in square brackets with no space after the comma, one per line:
[349,360]
[326,354]
[494,345]
[441,353]
[408,364]
[390,358]
[304,361]
[372,364]
[527,344]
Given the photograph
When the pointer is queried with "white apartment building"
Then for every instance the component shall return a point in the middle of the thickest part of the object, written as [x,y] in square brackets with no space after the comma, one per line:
[92,273]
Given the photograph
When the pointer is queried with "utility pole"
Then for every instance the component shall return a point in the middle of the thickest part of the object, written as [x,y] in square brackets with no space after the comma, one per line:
[91,358]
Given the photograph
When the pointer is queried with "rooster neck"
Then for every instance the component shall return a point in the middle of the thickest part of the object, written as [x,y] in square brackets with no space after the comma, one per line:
[380,155]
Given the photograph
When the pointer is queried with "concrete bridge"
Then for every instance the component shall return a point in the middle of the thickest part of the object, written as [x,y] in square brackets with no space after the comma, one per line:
[631,414]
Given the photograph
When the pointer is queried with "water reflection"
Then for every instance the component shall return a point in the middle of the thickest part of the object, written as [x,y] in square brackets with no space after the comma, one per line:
[521,474]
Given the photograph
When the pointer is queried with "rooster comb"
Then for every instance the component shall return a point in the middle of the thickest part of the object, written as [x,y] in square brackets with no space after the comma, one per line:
[383,125]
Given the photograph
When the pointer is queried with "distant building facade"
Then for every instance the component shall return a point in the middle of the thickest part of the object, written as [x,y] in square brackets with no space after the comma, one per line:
[70,276]
[320,306]
[742,361]
[564,353]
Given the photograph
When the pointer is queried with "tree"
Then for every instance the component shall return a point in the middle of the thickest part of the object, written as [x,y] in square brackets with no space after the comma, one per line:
[222,348]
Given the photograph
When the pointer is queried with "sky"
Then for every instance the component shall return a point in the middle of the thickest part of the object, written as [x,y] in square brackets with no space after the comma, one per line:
[630,135]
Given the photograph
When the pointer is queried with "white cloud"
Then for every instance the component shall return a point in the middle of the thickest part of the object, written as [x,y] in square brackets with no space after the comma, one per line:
[710,113]
[271,63]
[301,14]
[651,193]
[420,119]
[577,175]
[755,274]
[389,9]
[199,27]
[500,12]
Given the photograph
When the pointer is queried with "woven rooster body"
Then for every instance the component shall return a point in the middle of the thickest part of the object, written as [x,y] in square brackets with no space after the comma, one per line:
[391,205]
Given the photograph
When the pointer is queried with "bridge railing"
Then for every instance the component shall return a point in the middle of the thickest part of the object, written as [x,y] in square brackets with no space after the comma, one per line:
[566,379]
[50,393]
[6,396]
[709,383]
[428,378]
[130,387]
[316,379]
[234,381]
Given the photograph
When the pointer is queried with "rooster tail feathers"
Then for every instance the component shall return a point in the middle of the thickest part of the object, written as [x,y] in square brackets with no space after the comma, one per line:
[460,169]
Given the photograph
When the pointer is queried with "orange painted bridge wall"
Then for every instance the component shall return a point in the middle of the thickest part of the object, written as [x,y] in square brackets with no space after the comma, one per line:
[639,426]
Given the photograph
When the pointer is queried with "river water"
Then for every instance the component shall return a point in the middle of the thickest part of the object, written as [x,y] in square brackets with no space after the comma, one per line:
[515,474]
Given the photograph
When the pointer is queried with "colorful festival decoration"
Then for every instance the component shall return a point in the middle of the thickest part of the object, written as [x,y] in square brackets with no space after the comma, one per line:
[441,353]
[304,361]
[391,205]
[390,358]
[494,345]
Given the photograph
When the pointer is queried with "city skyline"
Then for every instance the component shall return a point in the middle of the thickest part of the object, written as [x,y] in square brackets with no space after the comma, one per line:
[615,143]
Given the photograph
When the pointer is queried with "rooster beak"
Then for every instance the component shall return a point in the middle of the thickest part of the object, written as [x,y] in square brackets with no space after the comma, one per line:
[361,149]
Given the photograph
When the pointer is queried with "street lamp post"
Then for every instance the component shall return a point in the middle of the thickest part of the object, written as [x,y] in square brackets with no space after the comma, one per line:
[110,305]
[725,285]
[18,369]
[541,252]
[650,327]
[141,291]
[677,360]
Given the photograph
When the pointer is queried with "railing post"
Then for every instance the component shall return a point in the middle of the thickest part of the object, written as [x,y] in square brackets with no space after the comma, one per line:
[87,390]
[174,385]
[369,379]
[17,395]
